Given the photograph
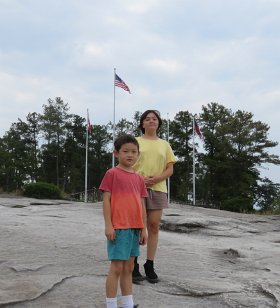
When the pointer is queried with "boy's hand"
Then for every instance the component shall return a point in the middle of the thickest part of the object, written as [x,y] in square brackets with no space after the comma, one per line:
[110,233]
[143,237]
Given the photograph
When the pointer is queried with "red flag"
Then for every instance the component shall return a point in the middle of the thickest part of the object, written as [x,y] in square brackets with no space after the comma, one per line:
[120,83]
[197,129]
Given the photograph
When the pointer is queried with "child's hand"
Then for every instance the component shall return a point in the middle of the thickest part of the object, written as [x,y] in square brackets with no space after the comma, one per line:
[143,237]
[151,180]
[110,233]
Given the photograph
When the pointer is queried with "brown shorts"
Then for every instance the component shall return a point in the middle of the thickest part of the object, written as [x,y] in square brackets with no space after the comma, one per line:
[156,200]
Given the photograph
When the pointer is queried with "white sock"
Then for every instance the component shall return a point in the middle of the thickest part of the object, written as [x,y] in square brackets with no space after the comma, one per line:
[111,302]
[127,301]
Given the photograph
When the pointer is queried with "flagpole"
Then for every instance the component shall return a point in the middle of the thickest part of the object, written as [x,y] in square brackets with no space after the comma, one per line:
[193,163]
[114,120]
[168,179]
[86,164]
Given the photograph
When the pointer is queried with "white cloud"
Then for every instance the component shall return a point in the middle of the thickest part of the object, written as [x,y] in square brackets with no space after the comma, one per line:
[141,7]
[174,56]
[169,66]
[93,50]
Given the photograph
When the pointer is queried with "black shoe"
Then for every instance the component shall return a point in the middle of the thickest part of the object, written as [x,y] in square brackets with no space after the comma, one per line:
[151,276]
[136,275]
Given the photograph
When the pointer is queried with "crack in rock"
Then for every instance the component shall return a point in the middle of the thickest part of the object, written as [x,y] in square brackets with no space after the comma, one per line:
[181,291]
[40,295]
[232,252]
[48,203]
[55,216]
[186,227]
[25,269]
[44,203]
[11,303]
[172,215]
[269,294]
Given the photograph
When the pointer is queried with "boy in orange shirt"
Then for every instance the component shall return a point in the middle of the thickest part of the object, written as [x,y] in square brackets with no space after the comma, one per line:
[125,219]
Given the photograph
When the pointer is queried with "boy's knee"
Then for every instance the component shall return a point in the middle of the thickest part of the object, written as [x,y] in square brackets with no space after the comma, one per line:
[128,267]
[131,267]
[117,268]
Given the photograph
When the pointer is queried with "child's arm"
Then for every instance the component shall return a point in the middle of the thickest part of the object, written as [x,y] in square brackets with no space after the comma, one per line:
[167,172]
[109,230]
[143,232]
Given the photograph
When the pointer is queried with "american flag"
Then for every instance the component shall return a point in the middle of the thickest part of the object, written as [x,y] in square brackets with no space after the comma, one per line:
[120,83]
[197,129]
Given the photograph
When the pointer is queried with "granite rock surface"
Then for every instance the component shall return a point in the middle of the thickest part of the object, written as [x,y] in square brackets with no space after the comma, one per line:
[53,254]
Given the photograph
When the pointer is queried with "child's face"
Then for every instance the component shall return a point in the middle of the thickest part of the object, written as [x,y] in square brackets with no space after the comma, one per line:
[127,155]
[151,121]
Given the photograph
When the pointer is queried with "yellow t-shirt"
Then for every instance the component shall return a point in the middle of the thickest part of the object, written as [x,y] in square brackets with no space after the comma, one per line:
[154,156]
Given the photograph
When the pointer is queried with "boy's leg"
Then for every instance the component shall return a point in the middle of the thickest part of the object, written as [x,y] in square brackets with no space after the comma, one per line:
[136,275]
[112,280]
[126,283]
[126,277]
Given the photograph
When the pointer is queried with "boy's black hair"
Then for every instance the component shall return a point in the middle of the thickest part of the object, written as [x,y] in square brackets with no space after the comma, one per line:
[123,139]
[143,117]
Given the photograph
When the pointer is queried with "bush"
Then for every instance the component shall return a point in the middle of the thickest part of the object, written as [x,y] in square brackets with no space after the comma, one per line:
[238,204]
[42,190]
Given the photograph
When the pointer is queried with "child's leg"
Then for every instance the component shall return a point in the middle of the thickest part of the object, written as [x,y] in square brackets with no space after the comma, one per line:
[126,283]
[126,277]
[112,280]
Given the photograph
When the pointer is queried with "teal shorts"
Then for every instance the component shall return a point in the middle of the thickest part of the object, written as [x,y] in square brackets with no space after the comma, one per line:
[125,245]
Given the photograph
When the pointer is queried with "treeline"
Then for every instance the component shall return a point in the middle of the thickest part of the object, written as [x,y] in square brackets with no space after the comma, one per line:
[50,147]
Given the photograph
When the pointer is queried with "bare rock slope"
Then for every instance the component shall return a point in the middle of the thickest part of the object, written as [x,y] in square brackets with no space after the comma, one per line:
[53,254]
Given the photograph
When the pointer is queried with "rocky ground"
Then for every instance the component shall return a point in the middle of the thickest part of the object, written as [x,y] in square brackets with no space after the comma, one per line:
[53,254]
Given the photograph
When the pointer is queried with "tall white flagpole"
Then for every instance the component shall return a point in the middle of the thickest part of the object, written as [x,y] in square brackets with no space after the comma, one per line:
[86,164]
[168,179]
[114,120]
[193,163]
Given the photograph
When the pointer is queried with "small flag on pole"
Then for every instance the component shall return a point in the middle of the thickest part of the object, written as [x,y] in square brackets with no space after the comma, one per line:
[197,129]
[89,126]
[120,83]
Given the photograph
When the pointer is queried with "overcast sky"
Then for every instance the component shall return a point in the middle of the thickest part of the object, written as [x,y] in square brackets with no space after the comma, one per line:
[174,55]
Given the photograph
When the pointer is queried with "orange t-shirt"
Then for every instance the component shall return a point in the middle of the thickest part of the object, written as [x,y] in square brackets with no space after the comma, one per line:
[127,189]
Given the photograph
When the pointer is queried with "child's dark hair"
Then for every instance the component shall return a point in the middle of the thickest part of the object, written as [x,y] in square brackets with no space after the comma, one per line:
[123,139]
[143,117]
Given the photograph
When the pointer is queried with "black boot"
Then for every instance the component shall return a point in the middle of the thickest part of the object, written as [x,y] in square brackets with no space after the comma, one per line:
[136,275]
[151,276]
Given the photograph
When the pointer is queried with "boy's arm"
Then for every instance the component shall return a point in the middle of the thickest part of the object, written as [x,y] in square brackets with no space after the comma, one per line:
[109,230]
[143,232]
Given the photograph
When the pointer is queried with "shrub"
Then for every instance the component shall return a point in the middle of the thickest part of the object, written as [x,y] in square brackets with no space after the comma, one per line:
[42,190]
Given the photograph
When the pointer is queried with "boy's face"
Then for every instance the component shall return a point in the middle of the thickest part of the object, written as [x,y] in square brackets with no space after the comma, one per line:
[127,155]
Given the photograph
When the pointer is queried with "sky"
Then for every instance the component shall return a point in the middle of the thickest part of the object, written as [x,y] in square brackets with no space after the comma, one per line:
[175,56]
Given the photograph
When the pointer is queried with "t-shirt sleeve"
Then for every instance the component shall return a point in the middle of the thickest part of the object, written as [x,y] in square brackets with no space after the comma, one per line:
[170,157]
[106,183]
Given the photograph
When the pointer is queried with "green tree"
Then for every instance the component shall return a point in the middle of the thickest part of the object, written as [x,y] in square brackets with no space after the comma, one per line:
[267,196]
[15,160]
[73,154]
[53,122]
[100,154]
[31,137]
[235,148]
[181,143]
